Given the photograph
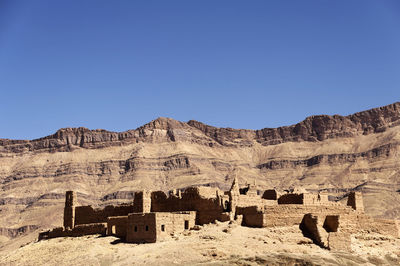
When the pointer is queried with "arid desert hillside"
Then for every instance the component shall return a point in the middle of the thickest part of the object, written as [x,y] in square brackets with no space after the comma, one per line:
[214,244]
[329,153]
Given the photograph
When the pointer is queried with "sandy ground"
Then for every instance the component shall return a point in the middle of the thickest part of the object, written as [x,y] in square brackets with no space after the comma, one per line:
[214,244]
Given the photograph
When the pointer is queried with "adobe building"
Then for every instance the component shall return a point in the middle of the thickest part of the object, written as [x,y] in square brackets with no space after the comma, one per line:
[153,226]
[153,216]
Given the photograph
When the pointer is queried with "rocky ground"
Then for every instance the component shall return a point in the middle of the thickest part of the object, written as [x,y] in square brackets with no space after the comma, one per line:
[214,244]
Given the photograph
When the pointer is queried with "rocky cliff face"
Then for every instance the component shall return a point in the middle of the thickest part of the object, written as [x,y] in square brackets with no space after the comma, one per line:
[313,128]
[334,153]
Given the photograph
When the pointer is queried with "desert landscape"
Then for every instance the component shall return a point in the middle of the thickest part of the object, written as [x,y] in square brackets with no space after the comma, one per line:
[322,154]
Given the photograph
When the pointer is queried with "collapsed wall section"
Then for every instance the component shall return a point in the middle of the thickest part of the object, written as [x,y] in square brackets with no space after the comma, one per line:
[304,199]
[79,230]
[87,214]
[287,214]
[207,204]
[319,229]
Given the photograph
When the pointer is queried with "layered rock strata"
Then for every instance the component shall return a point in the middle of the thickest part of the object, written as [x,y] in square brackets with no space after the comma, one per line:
[336,154]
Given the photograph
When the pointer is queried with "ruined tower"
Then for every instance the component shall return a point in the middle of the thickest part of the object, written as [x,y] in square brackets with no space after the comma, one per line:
[142,201]
[355,200]
[69,209]
[234,194]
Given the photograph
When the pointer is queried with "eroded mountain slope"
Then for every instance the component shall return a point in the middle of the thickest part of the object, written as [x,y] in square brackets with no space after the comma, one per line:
[333,153]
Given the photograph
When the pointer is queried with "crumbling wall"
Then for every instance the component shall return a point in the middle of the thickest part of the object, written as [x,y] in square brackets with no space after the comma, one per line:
[69,209]
[79,230]
[89,229]
[207,192]
[315,199]
[292,214]
[252,216]
[337,240]
[208,209]
[141,228]
[304,199]
[248,200]
[355,200]
[117,226]
[171,223]
[311,227]
[86,214]
[55,232]
[142,201]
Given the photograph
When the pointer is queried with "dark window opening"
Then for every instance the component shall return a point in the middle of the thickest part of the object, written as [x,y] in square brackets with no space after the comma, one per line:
[135,228]
[162,227]
[186,224]
[147,228]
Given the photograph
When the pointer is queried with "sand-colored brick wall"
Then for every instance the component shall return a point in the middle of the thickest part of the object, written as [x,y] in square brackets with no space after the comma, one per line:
[142,201]
[69,209]
[171,223]
[141,228]
[87,214]
[79,230]
[355,200]
[117,226]
[208,209]
[292,214]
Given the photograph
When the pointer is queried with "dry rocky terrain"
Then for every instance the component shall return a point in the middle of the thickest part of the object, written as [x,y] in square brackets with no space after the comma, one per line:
[322,153]
[214,244]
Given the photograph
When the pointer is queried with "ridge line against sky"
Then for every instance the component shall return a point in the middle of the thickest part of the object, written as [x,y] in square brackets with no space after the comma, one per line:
[235,64]
[200,122]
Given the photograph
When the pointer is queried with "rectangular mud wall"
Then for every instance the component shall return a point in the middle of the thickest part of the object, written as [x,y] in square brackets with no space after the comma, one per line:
[288,215]
[79,230]
[208,209]
[69,209]
[170,223]
[117,226]
[141,228]
[86,214]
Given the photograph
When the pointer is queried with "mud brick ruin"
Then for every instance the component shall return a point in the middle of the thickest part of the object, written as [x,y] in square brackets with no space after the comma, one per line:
[154,215]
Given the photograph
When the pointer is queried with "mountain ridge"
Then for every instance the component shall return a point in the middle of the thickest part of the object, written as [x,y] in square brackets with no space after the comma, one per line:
[313,128]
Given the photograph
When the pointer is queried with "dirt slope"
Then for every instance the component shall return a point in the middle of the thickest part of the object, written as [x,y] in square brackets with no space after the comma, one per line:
[220,244]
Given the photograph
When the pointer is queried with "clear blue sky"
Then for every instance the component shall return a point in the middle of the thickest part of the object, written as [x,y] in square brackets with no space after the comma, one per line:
[243,64]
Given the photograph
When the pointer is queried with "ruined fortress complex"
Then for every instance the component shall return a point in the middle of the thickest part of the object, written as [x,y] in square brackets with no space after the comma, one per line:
[154,216]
